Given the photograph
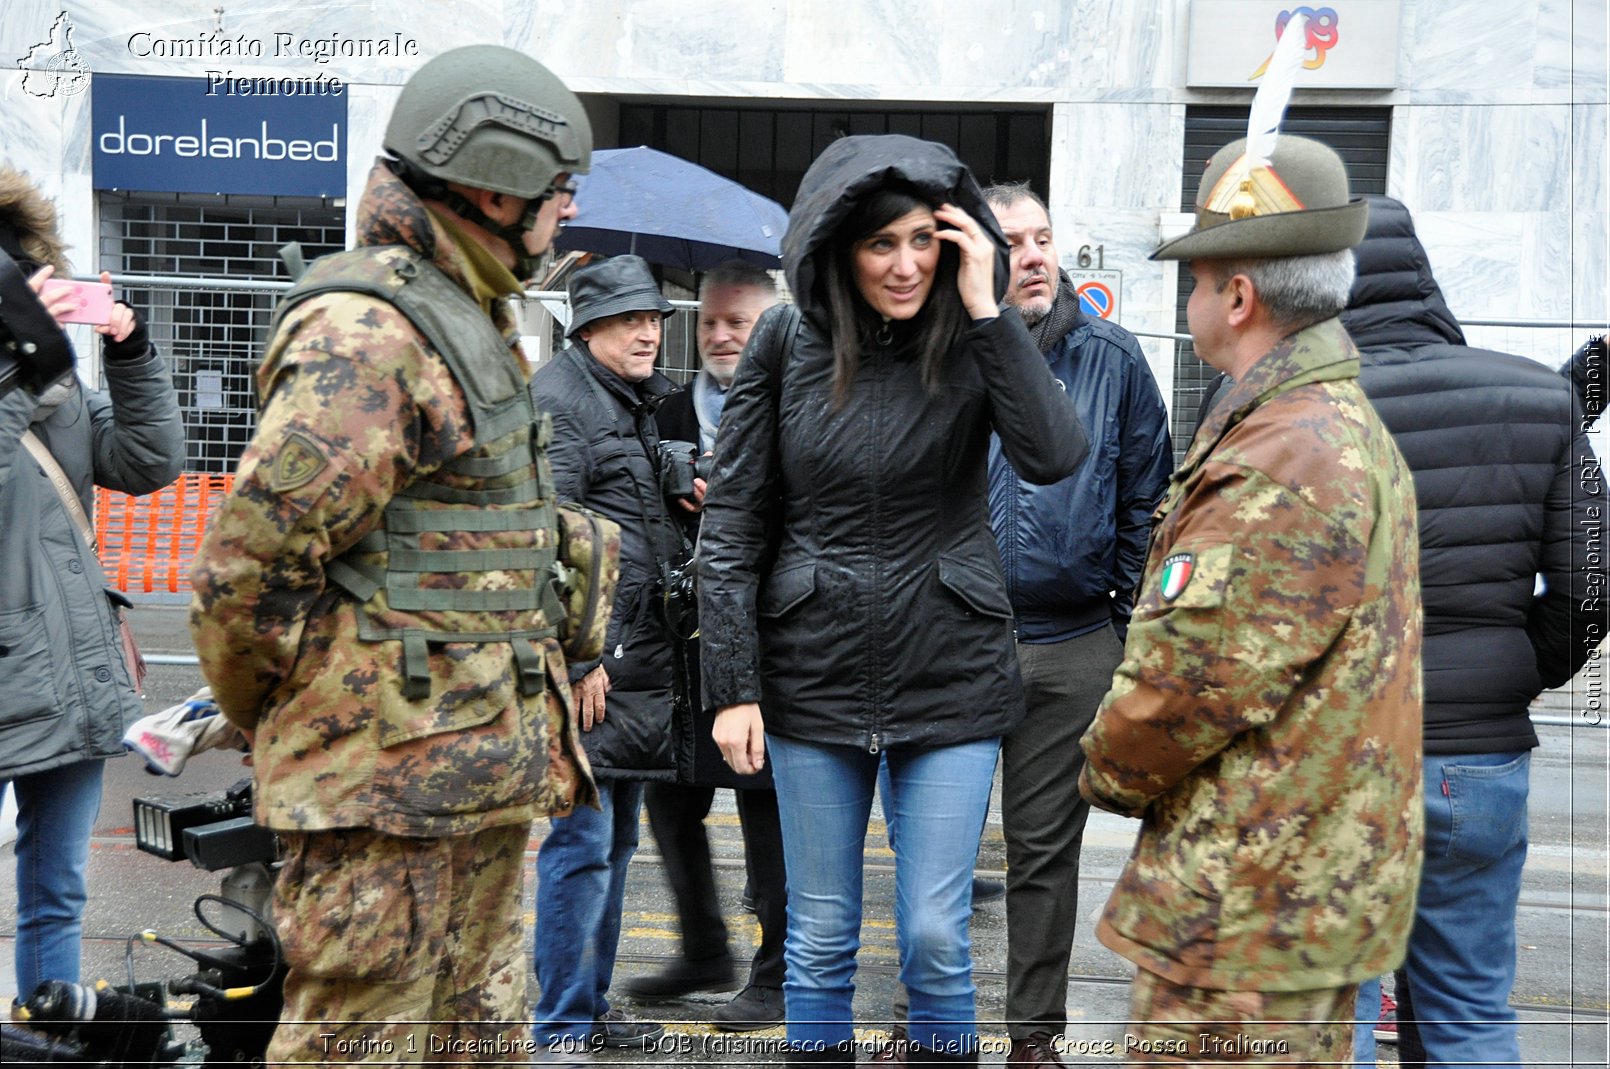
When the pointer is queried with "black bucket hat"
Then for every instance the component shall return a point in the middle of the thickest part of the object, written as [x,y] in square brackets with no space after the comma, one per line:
[618,284]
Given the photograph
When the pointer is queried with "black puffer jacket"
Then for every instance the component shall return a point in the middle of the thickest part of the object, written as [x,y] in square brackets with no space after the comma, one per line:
[1508,489]
[605,456]
[883,620]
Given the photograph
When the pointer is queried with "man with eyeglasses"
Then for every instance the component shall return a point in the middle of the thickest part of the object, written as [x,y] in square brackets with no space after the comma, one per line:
[601,394]
[372,599]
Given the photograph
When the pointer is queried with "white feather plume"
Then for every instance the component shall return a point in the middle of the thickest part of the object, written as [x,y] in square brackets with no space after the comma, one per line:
[1274,90]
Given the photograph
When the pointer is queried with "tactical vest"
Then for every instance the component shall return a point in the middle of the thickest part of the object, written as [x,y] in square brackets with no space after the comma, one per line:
[465,553]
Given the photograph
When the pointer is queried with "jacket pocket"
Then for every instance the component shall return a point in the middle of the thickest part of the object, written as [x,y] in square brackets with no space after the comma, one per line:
[471,684]
[27,671]
[978,588]
[786,589]
[1178,625]
[634,600]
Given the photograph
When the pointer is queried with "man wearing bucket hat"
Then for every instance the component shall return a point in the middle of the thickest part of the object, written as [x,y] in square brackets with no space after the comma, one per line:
[372,599]
[1265,720]
[602,392]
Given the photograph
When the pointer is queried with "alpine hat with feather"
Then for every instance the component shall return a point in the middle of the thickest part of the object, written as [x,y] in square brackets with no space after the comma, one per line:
[1269,194]
[1295,205]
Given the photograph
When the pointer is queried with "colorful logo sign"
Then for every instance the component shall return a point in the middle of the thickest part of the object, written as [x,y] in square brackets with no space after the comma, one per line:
[1322,33]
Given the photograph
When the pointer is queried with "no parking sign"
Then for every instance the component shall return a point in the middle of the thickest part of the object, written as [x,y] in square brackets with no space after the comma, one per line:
[1098,291]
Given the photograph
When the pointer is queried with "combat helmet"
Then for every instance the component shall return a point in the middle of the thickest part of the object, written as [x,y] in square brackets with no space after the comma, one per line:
[490,117]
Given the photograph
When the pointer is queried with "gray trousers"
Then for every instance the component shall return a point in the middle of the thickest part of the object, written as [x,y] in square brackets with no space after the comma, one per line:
[1043,818]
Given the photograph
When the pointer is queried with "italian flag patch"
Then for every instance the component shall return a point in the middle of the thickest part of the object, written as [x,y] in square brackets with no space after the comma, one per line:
[1176,575]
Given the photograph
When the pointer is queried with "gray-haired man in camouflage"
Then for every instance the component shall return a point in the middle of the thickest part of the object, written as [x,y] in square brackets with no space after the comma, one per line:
[1265,721]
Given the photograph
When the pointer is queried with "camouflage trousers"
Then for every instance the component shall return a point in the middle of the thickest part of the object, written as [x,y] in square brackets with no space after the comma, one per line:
[402,951]
[1178,1025]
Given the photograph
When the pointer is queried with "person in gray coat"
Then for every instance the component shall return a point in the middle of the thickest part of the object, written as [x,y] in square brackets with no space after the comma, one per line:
[66,695]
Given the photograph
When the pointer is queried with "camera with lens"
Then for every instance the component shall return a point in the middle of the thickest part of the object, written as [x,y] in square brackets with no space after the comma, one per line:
[680,464]
[239,985]
[679,598]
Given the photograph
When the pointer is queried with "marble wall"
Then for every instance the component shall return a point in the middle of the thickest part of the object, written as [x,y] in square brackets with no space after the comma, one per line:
[1498,135]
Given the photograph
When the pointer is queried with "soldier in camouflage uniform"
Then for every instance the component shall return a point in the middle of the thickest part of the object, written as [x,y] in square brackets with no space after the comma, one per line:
[1265,721]
[372,600]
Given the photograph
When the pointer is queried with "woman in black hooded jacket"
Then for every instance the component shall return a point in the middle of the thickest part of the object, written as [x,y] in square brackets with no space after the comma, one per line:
[851,595]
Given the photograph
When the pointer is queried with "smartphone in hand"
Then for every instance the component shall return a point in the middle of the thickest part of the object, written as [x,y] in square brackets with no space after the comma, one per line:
[94,301]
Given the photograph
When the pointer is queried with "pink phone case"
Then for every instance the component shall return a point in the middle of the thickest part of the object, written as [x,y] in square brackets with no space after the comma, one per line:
[94,301]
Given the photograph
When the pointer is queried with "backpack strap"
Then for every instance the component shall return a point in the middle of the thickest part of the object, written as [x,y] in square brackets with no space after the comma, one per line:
[293,259]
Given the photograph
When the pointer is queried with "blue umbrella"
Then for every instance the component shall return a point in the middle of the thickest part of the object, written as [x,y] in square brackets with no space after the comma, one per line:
[671,212]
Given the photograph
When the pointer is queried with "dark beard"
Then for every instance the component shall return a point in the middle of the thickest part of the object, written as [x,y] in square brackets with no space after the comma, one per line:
[1063,316]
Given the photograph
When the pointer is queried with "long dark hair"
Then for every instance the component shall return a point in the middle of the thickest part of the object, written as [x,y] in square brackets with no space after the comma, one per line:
[936,325]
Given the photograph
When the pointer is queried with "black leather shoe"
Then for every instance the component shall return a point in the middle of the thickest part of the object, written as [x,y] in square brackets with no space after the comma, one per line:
[1038,1049]
[987,891]
[750,1010]
[616,1029]
[840,1054]
[891,1051]
[919,1055]
[684,977]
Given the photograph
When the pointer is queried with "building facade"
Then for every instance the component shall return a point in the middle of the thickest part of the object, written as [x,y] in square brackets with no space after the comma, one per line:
[1489,120]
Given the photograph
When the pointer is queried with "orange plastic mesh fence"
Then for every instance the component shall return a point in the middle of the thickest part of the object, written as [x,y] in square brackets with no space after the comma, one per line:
[147,543]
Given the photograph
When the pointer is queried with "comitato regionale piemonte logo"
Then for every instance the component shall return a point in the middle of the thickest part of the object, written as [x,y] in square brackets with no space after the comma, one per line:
[52,67]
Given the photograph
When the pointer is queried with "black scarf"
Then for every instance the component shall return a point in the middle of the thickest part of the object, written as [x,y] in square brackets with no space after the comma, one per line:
[1063,316]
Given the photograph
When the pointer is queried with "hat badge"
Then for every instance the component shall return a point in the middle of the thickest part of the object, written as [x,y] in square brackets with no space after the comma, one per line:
[1250,186]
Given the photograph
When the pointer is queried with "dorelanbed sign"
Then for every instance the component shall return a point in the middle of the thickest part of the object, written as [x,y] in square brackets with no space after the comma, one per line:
[191,135]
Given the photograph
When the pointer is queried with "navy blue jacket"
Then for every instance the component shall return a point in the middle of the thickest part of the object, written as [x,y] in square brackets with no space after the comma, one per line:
[1073,550]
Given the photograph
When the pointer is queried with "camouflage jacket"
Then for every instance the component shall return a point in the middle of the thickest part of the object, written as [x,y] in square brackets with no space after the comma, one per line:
[357,406]
[1265,721]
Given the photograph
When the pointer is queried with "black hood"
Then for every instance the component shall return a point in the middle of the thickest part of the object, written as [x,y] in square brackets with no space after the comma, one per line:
[853,166]
[1395,302]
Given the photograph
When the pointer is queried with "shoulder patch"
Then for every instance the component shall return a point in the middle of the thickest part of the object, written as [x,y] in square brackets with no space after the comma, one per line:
[296,464]
[1176,575]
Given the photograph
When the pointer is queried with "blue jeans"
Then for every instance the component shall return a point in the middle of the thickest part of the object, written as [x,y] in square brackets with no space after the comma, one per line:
[56,812]
[939,798]
[1366,1012]
[581,886]
[1461,963]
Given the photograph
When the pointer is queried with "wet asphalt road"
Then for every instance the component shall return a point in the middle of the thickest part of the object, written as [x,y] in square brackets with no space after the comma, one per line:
[1561,987]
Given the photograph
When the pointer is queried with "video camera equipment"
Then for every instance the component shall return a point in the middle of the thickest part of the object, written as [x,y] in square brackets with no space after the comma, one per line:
[74,1022]
[211,830]
[239,988]
[33,348]
[680,464]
